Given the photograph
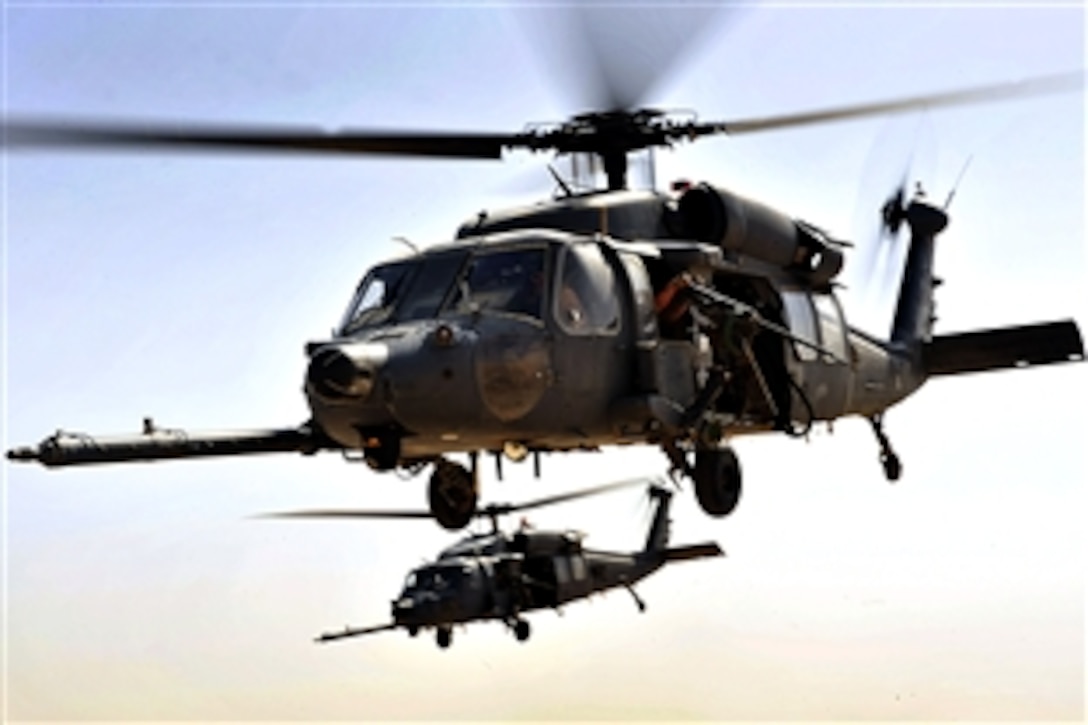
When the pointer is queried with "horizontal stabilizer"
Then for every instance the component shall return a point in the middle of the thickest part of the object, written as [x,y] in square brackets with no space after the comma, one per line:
[694,551]
[1045,343]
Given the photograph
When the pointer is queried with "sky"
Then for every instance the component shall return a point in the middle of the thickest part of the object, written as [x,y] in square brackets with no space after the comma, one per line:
[185,287]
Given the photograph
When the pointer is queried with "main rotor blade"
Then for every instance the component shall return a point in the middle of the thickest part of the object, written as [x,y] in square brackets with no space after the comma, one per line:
[492,510]
[569,496]
[72,133]
[1059,83]
[346,514]
[609,57]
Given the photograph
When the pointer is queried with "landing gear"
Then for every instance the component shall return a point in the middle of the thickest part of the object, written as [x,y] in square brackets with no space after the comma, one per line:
[717,479]
[452,494]
[384,456]
[638,600]
[893,468]
[521,630]
[443,636]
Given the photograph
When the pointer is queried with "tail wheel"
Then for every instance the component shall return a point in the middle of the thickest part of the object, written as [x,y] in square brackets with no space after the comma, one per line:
[893,469]
[717,478]
[452,495]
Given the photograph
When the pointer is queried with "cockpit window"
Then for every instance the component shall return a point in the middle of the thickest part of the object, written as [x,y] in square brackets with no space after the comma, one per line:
[434,578]
[802,322]
[375,298]
[410,290]
[509,281]
[585,299]
[429,288]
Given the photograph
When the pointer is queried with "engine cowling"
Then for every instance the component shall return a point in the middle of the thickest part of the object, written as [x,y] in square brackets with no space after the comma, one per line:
[742,227]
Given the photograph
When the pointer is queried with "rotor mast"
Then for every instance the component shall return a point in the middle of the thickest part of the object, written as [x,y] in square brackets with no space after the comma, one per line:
[610,136]
[615,169]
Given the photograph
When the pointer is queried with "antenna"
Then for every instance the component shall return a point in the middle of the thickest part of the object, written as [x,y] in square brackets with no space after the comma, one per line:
[559,180]
[956,184]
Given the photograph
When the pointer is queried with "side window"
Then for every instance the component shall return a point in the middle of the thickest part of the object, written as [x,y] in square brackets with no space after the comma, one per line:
[802,322]
[645,317]
[585,293]
[831,327]
[562,569]
[577,567]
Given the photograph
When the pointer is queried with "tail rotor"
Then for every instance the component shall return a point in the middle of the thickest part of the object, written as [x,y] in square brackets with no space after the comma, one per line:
[902,156]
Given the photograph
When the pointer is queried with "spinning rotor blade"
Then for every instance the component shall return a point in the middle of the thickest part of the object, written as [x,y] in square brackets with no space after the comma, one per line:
[878,236]
[608,134]
[70,133]
[346,514]
[487,512]
[901,164]
[612,56]
[499,509]
[1005,91]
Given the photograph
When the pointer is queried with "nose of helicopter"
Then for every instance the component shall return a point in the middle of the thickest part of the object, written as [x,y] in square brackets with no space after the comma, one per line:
[404,609]
[345,371]
[421,609]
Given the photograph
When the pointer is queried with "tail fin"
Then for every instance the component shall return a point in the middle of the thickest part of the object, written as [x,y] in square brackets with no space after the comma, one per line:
[914,310]
[658,538]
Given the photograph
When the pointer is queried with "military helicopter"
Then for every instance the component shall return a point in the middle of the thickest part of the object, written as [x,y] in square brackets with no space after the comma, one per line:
[678,318]
[499,576]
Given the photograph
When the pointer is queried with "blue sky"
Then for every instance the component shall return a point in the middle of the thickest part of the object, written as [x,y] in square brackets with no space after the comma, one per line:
[184,287]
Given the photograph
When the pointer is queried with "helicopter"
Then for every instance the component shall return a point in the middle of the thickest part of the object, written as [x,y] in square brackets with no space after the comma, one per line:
[500,576]
[680,318]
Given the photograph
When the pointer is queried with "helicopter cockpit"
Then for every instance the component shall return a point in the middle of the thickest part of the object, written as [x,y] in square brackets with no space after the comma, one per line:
[434,578]
[504,279]
[443,591]
[399,291]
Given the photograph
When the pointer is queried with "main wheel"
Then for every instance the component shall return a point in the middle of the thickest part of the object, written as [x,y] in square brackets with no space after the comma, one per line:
[443,637]
[452,495]
[521,630]
[717,480]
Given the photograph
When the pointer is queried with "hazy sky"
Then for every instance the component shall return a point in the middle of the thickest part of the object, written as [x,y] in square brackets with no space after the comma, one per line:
[185,287]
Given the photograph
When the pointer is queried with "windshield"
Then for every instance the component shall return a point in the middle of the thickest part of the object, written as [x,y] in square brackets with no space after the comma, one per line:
[504,281]
[409,290]
[433,578]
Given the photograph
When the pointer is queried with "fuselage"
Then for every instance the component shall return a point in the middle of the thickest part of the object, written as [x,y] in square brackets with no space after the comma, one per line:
[555,339]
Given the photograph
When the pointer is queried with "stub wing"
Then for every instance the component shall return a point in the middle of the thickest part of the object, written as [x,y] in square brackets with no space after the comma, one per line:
[354,632]
[72,449]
